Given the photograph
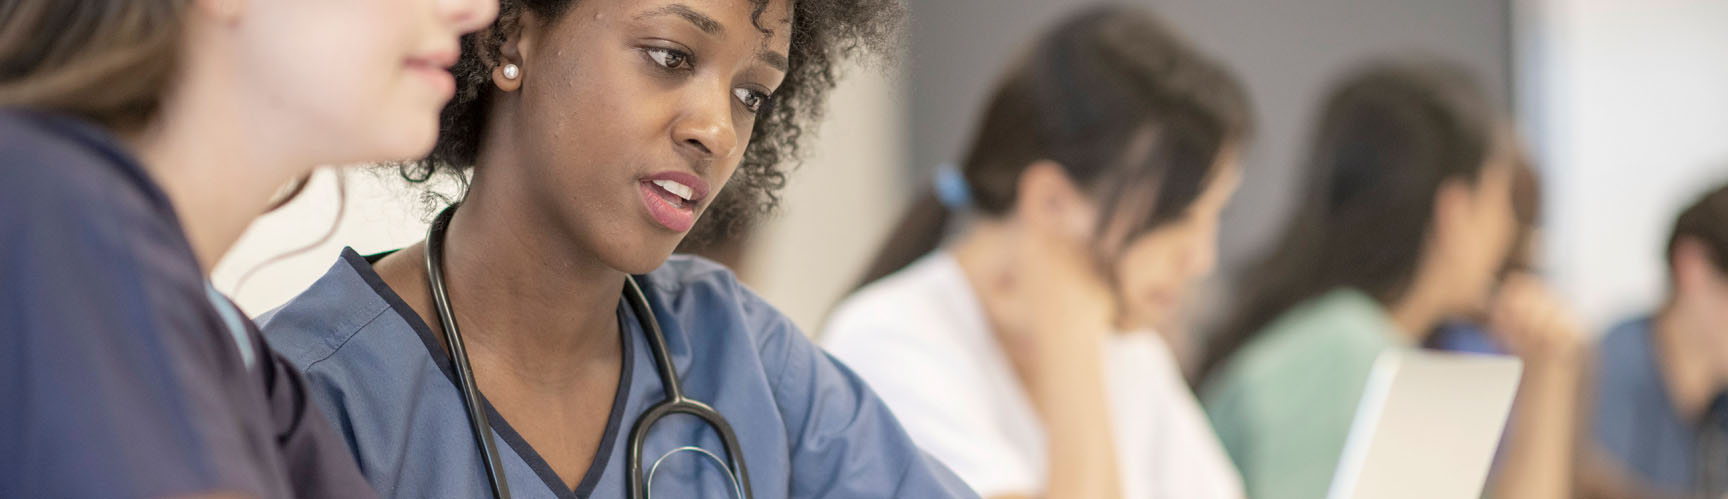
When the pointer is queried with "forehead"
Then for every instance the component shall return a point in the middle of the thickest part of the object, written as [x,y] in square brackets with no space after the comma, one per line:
[766,22]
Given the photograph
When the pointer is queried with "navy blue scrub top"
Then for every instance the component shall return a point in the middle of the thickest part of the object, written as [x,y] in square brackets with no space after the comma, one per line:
[808,426]
[119,376]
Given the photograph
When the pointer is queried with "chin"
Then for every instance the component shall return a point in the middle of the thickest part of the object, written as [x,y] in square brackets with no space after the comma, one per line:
[407,143]
[642,258]
[417,144]
[641,266]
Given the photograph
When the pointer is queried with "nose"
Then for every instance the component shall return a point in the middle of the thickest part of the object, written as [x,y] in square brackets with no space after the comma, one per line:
[705,130]
[467,16]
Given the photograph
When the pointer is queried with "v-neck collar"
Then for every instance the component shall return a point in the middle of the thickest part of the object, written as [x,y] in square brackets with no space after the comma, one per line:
[627,325]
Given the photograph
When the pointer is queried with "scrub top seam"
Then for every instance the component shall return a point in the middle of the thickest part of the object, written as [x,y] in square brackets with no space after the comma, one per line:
[345,339]
[758,343]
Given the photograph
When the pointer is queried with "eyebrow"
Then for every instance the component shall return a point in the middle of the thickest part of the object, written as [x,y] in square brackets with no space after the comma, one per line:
[702,21]
[712,27]
[773,59]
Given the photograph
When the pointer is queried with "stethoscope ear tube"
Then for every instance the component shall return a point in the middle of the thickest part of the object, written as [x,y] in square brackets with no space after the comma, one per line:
[471,399]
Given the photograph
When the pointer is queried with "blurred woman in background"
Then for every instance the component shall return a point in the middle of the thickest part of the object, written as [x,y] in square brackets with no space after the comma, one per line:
[1538,447]
[1406,222]
[138,138]
[1018,353]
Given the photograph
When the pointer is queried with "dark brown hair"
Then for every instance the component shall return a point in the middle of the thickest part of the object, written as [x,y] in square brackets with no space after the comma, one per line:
[108,61]
[825,33]
[1132,113]
[1706,221]
[1389,136]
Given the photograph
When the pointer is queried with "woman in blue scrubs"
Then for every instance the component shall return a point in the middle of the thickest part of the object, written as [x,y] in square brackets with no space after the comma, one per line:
[138,138]
[597,131]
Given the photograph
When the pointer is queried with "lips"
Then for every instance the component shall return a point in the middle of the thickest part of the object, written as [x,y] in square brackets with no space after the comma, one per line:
[433,68]
[671,198]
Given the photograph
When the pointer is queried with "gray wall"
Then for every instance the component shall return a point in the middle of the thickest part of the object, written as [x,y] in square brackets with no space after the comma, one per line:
[1285,51]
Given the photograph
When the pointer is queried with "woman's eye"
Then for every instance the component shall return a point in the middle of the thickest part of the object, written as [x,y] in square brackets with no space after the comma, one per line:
[751,99]
[668,58]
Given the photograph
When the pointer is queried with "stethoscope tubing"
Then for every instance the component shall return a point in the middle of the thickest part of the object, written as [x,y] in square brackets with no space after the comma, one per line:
[459,357]
[674,403]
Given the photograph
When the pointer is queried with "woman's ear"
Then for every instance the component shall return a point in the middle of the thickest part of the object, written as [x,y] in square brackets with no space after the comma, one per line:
[510,67]
[1049,202]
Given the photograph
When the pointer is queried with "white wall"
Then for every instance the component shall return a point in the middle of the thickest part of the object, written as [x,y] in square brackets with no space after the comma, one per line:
[839,206]
[1626,103]
[382,213]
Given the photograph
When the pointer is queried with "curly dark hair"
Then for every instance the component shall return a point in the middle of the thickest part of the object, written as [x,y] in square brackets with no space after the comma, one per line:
[825,33]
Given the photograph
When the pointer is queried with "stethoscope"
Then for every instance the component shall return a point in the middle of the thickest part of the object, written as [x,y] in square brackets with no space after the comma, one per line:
[674,403]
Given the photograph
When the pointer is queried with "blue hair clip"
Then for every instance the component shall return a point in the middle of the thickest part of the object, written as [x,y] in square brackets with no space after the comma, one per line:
[951,188]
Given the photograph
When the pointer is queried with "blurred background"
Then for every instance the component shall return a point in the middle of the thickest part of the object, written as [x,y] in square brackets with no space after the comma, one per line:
[1622,102]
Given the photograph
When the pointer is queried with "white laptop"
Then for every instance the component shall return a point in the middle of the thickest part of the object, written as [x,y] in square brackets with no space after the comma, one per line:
[1427,426]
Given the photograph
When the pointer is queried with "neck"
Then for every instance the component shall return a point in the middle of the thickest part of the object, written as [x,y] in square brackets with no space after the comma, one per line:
[1688,373]
[217,175]
[545,300]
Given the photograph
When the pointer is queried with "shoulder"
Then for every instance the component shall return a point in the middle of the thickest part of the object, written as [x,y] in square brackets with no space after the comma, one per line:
[1625,341]
[66,157]
[694,288]
[1625,361]
[924,307]
[30,137]
[701,305]
[83,227]
[68,179]
[1332,330]
[689,280]
[319,322]
[1320,350]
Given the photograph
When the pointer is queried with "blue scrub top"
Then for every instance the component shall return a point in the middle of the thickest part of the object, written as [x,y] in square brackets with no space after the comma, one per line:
[809,427]
[1638,425]
[119,375]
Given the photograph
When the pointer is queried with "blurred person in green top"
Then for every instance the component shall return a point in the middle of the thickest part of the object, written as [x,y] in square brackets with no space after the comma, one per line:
[1406,221]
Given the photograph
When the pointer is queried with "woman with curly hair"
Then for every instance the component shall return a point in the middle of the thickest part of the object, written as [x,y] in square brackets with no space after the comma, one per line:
[597,132]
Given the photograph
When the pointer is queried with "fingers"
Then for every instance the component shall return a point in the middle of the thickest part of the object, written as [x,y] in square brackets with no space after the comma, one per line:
[1532,321]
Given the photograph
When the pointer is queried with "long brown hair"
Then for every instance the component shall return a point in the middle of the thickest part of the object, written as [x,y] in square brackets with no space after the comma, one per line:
[1390,135]
[1090,95]
[108,61]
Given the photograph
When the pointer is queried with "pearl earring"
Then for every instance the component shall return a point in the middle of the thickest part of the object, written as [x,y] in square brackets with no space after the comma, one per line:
[511,71]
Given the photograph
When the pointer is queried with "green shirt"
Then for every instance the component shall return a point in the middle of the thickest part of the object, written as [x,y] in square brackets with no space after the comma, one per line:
[1283,404]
